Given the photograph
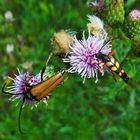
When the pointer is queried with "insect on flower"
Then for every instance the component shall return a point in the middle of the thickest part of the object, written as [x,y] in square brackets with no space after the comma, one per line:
[32,89]
[82,59]
[96,28]
[112,64]
[90,56]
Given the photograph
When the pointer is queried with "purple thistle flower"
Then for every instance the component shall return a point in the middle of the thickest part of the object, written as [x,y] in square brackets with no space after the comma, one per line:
[134,14]
[21,84]
[83,58]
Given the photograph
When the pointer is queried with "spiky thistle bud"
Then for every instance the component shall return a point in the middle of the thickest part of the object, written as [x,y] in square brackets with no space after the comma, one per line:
[116,12]
[133,25]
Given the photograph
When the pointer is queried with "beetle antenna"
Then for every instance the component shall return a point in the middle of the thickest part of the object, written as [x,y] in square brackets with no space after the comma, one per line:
[19,120]
[42,72]
[43,69]
[5,92]
[107,42]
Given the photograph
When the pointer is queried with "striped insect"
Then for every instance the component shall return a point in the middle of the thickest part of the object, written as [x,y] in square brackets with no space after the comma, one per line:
[112,64]
[35,88]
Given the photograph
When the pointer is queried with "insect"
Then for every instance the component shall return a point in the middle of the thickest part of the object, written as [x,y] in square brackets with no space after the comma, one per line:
[35,93]
[112,64]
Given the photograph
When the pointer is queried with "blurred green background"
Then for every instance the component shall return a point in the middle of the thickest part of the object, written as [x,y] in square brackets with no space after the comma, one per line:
[76,111]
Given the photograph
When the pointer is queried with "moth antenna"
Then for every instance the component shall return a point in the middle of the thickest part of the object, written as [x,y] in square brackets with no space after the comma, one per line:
[19,122]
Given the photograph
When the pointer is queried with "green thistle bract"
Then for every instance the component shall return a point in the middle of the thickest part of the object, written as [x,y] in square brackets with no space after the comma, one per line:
[116,12]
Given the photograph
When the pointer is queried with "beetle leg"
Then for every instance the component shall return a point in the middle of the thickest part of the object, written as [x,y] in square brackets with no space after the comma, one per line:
[113,76]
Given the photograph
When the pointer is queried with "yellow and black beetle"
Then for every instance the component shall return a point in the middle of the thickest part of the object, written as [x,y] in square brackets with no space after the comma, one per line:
[112,64]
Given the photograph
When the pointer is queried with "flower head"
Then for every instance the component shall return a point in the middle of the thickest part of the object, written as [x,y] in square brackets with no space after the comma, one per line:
[83,57]
[22,84]
[135,14]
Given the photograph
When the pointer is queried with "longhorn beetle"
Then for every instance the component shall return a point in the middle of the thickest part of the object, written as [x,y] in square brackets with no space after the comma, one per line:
[112,64]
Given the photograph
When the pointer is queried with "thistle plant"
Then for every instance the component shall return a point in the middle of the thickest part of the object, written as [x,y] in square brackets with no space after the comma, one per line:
[102,37]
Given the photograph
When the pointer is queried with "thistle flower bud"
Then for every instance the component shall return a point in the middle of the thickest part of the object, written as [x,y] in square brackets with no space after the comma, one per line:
[134,14]
[116,12]
[62,41]
[133,25]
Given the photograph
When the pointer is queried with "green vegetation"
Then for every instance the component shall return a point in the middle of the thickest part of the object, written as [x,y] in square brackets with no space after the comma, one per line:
[106,110]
